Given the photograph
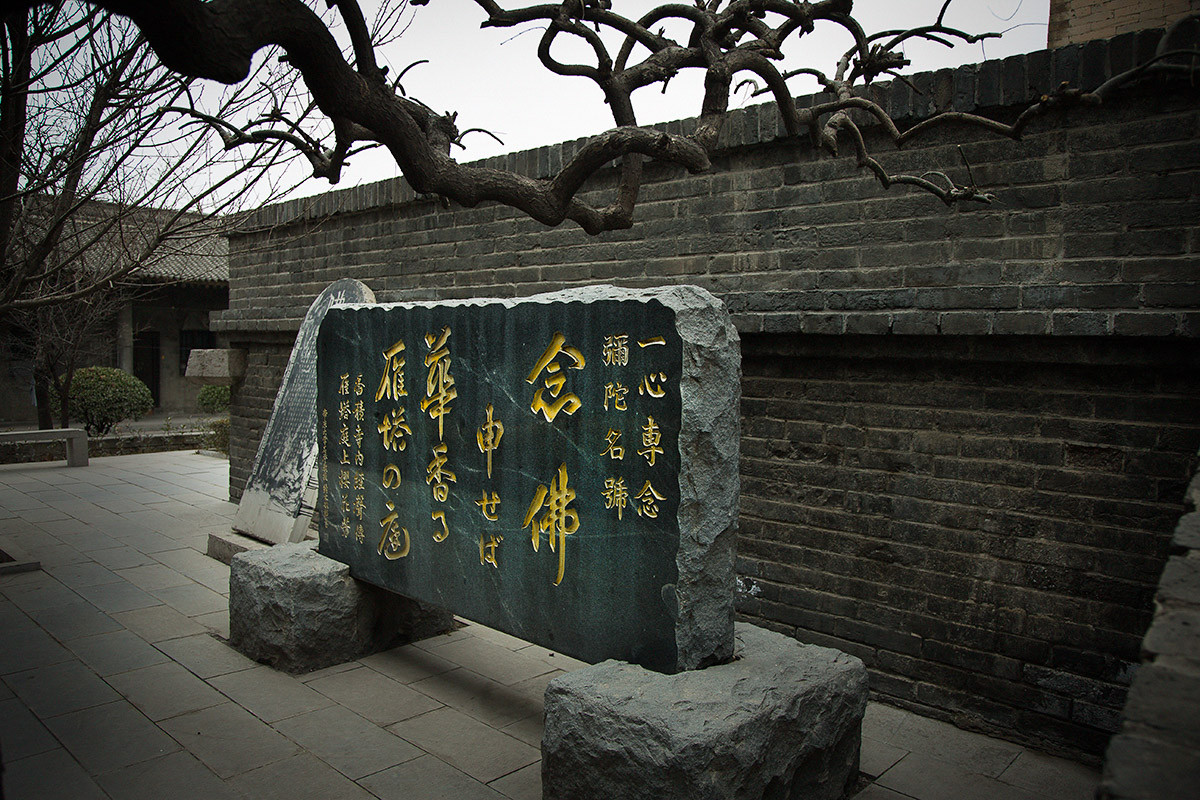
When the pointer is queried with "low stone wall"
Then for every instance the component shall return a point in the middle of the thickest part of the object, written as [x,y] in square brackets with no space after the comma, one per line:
[142,442]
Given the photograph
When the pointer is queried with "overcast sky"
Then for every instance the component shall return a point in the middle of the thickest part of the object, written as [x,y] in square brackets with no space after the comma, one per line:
[493,79]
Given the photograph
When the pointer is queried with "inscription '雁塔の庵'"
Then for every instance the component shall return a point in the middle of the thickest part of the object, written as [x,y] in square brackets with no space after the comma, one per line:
[515,463]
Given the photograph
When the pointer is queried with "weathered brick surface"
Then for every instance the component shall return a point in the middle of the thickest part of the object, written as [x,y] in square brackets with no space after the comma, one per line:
[982,521]
[1074,21]
[967,430]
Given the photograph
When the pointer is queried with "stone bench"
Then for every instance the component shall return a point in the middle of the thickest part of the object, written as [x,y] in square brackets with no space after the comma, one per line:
[76,439]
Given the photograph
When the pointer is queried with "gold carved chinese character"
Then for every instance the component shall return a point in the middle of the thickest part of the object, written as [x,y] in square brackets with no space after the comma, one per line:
[438,476]
[616,495]
[616,350]
[440,516]
[389,543]
[652,342]
[489,437]
[439,384]
[652,384]
[488,542]
[558,522]
[394,428]
[358,387]
[344,383]
[569,403]
[614,451]
[651,438]
[391,385]
[391,476]
[615,392]
[648,500]
[489,506]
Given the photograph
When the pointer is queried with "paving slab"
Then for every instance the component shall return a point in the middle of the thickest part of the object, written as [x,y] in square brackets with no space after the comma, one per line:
[486,700]
[205,655]
[109,737]
[27,649]
[347,742]
[1056,778]
[876,757]
[54,775]
[428,778]
[114,652]
[494,661]
[116,597]
[75,621]
[944,742]
[524,784]
[928,778]
[159,623]
[45,593]
[192,599]
[301,777]
[178,776]
[21,733]
[528,730]
[408,663]
[60,689]
[165,690]
[154,576]
[269,694]
[121,557]
[374,695]
[467,744]
[229,739]
[86,574]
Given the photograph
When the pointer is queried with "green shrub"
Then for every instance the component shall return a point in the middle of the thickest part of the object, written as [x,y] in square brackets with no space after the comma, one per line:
[100,397]
[218,437]
[213,399]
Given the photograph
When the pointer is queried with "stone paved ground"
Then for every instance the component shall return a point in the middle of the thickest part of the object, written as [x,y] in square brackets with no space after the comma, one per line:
[115,682]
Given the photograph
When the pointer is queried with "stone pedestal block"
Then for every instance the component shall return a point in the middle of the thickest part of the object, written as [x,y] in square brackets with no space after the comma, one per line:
[781,721]
[298,611]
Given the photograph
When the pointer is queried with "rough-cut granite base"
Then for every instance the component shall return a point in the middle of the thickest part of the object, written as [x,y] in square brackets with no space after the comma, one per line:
[298,611]
[781,721]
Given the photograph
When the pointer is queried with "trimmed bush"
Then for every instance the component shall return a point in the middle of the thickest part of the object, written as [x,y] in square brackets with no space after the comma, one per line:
[218,437]
[213,399]
[100,397]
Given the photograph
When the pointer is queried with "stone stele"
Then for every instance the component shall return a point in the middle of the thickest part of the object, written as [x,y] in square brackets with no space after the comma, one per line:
[297,610]
[653,586]
[781,721]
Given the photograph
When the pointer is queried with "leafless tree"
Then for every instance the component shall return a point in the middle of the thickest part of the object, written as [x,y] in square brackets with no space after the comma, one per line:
[98,169]
[724,39]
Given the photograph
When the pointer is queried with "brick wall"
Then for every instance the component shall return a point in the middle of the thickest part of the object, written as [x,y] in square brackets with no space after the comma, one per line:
[982,520]
[1074,21]
[972,481]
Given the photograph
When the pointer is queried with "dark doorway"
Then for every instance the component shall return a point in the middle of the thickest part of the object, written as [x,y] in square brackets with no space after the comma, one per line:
[147,361]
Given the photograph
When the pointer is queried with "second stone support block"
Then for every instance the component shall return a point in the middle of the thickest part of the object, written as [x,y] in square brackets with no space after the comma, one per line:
[298,611]
[783,720]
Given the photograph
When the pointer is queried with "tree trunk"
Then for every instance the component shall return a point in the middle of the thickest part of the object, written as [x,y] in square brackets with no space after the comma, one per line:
[41,395]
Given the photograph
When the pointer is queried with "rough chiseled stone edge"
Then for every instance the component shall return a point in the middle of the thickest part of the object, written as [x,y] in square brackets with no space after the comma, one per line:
[586,704]
[710,433]
[1156,754]
[373,619]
